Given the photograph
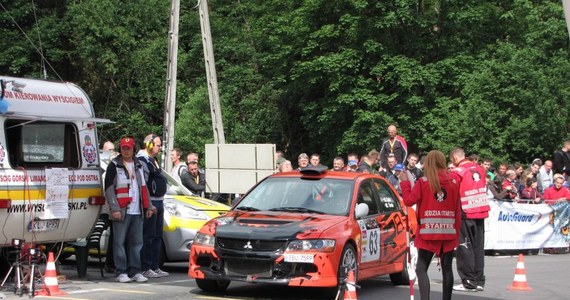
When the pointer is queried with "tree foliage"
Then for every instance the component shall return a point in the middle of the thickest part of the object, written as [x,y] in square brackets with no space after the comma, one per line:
[325,76]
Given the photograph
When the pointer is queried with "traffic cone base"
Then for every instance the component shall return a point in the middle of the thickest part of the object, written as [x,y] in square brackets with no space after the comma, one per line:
[519,282]
[350,292]
[51,287]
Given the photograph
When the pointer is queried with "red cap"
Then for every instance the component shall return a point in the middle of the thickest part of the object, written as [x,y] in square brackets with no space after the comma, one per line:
[127,142]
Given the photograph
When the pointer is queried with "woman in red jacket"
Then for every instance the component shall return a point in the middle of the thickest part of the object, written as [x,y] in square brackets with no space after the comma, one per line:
[439,218]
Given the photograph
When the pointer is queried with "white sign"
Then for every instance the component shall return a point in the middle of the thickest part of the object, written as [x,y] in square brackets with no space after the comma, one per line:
[526,226]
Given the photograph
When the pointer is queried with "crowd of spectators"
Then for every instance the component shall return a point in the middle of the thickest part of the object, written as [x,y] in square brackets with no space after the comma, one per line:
[539,182]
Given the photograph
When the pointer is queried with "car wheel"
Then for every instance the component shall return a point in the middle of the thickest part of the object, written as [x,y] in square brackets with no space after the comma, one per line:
[348,259]
[210,285]
[401,278]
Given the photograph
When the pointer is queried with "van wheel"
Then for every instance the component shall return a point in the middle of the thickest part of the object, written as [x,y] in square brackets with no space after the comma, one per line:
[210,285]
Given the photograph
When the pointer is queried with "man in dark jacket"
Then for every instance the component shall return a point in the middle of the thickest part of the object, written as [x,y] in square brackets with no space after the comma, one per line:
[193,179]
[561,161]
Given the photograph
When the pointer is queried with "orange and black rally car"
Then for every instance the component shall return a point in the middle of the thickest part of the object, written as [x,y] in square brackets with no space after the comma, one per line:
[302,229]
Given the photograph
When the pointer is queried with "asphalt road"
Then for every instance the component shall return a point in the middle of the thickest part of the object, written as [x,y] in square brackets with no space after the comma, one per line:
[547,275]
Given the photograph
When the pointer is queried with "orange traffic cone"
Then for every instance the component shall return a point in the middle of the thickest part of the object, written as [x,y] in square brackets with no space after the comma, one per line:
[519,283]
[51,287]
[350,291]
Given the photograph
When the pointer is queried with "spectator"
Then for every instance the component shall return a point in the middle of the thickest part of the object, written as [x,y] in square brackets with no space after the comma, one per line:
[108,146]
[545,177]
[450,167]
[436,194]
[493,190]
[509,185]
[415,172]
[193,179]
[285,166]
[532,171]
[153,226]
[395,145]
[127,195]
[487,166]
[192,157]
[394,178]
[389,168]
[338,164]
[366,165]
[557,192]
[500,172]
[374,158]
[278,158]
[474,158]
[349,157]
[531,191]
[178,167]
[352,166]
[316,160]
[302,161]
[561,163]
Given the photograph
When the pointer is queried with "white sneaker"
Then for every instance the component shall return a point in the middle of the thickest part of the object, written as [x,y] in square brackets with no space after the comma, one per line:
[161,273]
[123,278]
[150,274]
[480,288]
[139,278]
[462,288]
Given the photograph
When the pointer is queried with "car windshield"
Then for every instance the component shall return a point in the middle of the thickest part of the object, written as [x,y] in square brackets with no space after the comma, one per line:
[322,196]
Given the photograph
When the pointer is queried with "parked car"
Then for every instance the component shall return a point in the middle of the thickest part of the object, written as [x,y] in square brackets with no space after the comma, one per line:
[304,229]
[184,214]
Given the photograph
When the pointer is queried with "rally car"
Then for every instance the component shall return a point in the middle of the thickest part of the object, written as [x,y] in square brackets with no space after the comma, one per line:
[306,228]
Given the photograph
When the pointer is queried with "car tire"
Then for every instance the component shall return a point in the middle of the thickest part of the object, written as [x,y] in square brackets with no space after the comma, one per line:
[401,278]
[348,258]
[211,285]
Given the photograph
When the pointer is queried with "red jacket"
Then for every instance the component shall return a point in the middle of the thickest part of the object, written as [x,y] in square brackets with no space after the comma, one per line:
[473,190]
[552,194]
[439,219]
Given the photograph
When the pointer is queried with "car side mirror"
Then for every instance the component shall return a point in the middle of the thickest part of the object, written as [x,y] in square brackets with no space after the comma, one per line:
[361,210]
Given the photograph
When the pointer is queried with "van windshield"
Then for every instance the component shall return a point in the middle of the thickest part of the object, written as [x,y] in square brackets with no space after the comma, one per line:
[42,144]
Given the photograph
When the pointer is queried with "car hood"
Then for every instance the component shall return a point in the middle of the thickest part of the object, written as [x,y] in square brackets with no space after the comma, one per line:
[274,225]
[198,203]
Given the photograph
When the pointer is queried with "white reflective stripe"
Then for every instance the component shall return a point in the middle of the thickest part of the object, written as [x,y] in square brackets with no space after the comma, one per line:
[437,220]
[51,281]
[436,231]
[122,195]
[520,277]
[474,201]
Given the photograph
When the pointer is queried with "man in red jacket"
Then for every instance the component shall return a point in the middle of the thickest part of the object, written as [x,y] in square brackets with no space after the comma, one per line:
[475,209]
[557,191]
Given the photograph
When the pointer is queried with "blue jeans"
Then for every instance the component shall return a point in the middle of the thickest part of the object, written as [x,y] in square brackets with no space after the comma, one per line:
[127,251]
[152,237]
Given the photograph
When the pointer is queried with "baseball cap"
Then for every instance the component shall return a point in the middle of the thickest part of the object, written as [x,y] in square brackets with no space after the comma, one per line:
[127,142]
[399,167]
[352,162]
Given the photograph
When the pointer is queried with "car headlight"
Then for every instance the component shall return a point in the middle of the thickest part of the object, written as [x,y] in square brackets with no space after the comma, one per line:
[311,245]
[180,210]
[204,239]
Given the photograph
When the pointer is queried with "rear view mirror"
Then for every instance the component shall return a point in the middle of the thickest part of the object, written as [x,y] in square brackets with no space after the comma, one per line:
[361,210]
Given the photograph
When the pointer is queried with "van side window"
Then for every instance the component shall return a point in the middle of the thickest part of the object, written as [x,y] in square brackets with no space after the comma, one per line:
[42,144]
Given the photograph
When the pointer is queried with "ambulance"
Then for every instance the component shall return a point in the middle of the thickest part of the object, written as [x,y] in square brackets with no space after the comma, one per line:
[51,188]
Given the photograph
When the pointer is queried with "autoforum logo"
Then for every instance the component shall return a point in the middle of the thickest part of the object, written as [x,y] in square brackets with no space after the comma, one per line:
[519,217]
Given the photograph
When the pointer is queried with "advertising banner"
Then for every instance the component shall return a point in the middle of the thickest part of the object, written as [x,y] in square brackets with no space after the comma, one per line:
[514,225]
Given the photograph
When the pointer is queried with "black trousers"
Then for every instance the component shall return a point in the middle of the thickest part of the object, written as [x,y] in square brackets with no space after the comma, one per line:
[471,253]
[424,260]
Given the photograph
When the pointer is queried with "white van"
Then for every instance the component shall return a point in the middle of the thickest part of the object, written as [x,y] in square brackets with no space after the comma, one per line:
[50,180]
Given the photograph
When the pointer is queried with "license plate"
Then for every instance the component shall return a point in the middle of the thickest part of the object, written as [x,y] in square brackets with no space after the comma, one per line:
[43,225]
[299,258]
